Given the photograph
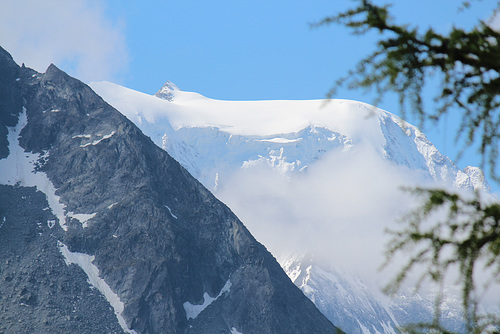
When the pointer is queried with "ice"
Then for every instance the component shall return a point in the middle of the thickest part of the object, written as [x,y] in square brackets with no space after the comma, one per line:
[84,261]
[19,168]
[192,310]
[2,222]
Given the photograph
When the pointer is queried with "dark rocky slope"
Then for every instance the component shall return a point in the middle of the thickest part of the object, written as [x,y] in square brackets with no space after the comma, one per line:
[39,293]
[158,237]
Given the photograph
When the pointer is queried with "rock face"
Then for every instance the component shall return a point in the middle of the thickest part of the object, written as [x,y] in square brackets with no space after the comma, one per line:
[39,292]
[167,92]
[10,98]
[155,245]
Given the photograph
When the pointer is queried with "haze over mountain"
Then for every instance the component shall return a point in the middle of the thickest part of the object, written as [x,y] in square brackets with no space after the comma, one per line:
[311,162]
[102,231]
[317,182]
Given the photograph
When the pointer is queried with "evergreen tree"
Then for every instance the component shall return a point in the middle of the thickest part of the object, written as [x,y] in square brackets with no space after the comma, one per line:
[468,65]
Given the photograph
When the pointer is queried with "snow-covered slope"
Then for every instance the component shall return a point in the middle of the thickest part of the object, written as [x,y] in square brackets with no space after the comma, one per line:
[412,307]
[305,176]
[211,136]
[342,297]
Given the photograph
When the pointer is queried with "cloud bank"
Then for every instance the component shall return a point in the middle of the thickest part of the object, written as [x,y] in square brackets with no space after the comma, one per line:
[74,35]
[337,210]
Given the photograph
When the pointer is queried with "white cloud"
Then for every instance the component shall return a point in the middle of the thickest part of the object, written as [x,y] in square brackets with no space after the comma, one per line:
[337,210]
[74,35]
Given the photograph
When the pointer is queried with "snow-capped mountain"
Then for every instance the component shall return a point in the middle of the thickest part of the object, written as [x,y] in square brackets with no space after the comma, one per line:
[411,307]
[101,231]
[342,297]
[210,136]
[317,177]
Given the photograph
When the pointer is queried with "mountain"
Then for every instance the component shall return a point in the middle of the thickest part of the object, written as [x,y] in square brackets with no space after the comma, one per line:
[343,298]
[315,179]
[102,231]
[410,307]
[210,136]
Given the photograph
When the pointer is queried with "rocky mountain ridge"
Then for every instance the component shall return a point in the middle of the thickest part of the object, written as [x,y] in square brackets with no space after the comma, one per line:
[103,204]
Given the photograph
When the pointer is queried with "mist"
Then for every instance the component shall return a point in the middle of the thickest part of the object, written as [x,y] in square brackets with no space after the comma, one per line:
[337,210]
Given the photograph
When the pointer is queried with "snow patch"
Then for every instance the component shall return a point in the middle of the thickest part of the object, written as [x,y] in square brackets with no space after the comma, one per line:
[192,310]
[112,205]
[82,217]
[291,264]
[2,222]
[388,328]
[84,261]
[19,168]
[363,328]
[82,136]
[95,142]
[235,331]
[281,140]
[169,210]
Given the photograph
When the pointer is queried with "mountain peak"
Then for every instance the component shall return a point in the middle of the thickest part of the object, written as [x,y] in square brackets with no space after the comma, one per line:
[167,92]
[5,56]
[54,72]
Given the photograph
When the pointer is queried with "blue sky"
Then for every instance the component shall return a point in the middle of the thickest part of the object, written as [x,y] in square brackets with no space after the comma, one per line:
[231,50]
